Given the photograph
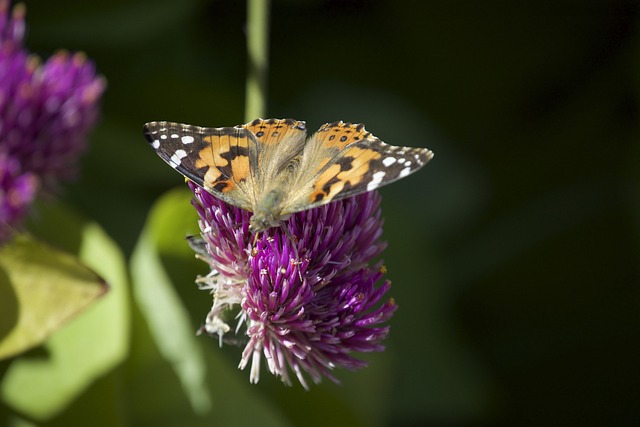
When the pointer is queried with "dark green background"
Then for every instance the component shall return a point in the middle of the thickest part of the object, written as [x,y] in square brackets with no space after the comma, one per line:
[513,255]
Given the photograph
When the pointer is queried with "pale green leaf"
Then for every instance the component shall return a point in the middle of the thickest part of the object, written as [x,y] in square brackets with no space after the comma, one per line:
[85,349]
[41,289]
[167,318]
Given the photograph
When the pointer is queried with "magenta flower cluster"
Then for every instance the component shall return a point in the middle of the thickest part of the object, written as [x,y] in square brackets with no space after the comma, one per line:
[46,112]
[306,298]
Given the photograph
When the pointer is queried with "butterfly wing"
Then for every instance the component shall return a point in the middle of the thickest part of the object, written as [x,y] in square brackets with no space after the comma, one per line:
[217,159]
[343,159]
[281,141]
[270,132]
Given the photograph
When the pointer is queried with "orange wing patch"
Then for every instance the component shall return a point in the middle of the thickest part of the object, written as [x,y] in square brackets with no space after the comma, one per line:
[340,134]
[225,158]
[240,166]
[272,131]
[349,171]
[327,185]
[210,156]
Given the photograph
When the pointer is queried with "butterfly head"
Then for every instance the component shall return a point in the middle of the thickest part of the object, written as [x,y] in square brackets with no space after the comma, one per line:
[260,222]
[267,212]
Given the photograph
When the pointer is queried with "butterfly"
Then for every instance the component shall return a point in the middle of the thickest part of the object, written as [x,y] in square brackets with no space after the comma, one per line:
[270,167]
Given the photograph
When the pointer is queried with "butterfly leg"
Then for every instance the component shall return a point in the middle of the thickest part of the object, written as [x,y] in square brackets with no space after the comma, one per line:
[295,248]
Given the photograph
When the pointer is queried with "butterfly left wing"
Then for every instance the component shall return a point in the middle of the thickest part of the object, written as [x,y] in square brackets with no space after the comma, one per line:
[343,159]
[217,159]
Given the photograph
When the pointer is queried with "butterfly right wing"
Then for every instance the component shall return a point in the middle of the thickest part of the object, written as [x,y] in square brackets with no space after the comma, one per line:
[217,159]
[343,159]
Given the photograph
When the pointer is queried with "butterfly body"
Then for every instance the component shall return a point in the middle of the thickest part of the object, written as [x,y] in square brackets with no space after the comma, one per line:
[270,168]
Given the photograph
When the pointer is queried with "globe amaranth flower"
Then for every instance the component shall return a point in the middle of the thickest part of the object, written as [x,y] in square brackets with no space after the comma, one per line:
[46,112]
[304,292]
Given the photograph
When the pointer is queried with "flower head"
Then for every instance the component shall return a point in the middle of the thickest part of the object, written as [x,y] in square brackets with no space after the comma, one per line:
[304,290]
[46,112]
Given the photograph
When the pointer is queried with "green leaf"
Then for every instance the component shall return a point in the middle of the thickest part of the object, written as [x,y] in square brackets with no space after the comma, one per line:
[41,288]
[44,384]
[167,318]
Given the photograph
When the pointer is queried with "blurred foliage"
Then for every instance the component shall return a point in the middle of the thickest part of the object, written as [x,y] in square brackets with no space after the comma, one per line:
[46,380]
[514,253]
[46,288]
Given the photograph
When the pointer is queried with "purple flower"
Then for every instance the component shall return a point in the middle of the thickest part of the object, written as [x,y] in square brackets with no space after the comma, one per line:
[46,112]
[307,304]
[16,193]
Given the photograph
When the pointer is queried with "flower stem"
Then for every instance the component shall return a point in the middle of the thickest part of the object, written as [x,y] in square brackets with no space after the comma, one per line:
[258,64]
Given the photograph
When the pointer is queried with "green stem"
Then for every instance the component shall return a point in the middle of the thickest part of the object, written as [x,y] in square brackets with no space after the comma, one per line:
[258,61]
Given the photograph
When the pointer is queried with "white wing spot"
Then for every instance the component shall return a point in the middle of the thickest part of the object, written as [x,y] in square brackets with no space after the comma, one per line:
[177,157]
[404,172]
[174,135]
[389,161]
[376,181]
[163,136]
[407,163]
[401,160]
[155,144]
[187,139]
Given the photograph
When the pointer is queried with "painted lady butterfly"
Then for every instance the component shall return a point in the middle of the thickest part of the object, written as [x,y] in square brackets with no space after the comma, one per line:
[270,168]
